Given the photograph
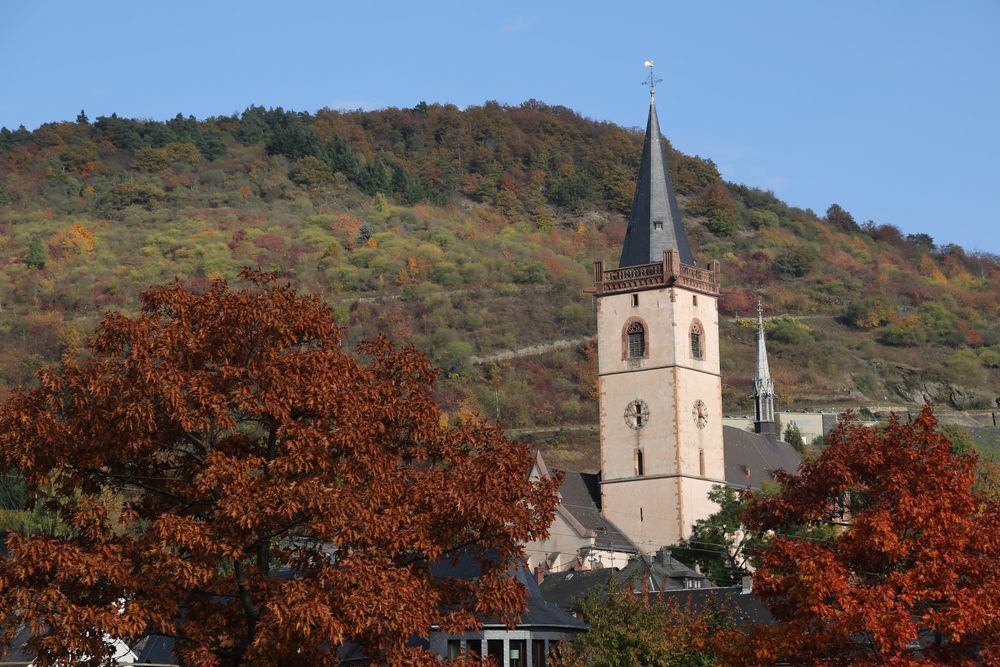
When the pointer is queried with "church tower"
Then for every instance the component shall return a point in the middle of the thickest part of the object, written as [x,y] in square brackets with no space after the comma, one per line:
[658,367]
[763,387]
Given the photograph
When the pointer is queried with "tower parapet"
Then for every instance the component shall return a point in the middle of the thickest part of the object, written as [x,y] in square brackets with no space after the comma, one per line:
[669,272]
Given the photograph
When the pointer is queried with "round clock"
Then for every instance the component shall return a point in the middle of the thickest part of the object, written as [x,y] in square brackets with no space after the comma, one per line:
[700,413]
[636,414]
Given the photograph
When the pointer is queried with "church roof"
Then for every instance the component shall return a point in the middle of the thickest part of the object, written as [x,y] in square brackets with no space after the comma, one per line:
[655,224]
[581,496]
[752,458]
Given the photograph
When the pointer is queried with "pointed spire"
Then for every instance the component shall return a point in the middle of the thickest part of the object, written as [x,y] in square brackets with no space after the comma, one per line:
[654,225]
[763,386]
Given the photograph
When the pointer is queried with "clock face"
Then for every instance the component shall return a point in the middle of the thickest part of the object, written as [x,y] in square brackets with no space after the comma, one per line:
[636,414]
[700,413]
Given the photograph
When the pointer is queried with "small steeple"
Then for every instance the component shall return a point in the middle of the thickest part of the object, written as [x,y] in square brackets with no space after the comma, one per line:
[763,386]
[654,225]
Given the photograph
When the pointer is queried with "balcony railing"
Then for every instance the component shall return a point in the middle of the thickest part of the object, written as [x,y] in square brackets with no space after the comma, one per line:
[667,273]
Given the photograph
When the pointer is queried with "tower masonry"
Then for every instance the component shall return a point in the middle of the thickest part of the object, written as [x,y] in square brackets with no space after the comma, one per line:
[658,368]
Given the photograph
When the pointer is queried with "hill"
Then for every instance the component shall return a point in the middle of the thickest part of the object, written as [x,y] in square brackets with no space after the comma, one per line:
[471,233]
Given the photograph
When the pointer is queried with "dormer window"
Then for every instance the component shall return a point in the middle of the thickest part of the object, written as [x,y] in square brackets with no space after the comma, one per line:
[658,225]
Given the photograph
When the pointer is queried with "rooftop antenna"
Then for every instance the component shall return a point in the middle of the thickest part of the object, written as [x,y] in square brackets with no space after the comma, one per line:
[652,80]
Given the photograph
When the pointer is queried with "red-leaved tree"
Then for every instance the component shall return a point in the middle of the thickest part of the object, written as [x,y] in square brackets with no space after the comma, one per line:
[231,477]
[914,576]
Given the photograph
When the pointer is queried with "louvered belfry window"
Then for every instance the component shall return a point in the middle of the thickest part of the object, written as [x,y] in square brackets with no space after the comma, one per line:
[696,342]
[636,341]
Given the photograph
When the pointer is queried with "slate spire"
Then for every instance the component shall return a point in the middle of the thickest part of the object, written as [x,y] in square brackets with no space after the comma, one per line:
[654,225]
[763,386]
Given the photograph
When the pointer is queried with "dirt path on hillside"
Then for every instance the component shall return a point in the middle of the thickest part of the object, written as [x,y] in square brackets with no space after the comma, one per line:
[529,350]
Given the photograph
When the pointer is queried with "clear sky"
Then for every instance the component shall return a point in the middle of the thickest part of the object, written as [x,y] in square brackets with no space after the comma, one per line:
[891,109]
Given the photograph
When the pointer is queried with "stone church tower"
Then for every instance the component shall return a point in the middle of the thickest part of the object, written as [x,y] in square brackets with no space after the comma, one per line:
[658,368]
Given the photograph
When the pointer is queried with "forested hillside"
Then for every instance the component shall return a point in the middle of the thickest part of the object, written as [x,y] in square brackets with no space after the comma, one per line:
[468,232]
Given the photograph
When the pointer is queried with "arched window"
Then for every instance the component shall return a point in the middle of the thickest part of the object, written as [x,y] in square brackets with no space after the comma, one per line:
[636,341]
[697,341]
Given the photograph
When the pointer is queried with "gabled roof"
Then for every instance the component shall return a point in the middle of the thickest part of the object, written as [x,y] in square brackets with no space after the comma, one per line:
[539,613]
[654,202]
[745,608]
[752,458]
[652,573]
[581,497]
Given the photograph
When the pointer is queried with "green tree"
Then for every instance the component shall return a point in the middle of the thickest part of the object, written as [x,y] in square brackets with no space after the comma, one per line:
[870,313]
[38,253]
[793,436]
[629,629]
[796,262]
[719,545]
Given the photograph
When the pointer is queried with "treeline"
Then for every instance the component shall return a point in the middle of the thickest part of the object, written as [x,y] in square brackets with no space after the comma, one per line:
[479,226]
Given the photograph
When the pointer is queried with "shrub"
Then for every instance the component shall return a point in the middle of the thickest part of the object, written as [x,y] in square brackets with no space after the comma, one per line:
[869,313]
[124,195]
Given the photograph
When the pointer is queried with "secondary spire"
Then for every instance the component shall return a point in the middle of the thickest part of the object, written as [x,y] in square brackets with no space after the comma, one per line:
[763,386]
[654,224]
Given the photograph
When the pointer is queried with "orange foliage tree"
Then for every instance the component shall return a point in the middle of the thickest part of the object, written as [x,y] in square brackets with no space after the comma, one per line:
[232,478]
[912,579]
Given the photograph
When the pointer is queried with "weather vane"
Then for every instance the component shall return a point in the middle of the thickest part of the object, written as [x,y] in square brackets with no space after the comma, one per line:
[652,81]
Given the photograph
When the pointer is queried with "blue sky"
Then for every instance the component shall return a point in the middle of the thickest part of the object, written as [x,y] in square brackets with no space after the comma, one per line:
[891,109]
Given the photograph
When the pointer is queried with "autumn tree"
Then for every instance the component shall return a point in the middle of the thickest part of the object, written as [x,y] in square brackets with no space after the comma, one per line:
[911,579]
[232,478]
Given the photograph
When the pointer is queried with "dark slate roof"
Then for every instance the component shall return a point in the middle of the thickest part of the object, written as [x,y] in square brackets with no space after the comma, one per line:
[746,608]
[746,451]
[659,572]
[581,496]
[539,612]
[564,588]
[668,572]
[654,201]
[156,649]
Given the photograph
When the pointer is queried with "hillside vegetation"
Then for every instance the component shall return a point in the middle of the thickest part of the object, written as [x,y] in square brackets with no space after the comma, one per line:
[469,232]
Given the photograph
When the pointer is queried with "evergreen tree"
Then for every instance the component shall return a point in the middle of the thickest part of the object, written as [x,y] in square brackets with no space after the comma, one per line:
[38,253]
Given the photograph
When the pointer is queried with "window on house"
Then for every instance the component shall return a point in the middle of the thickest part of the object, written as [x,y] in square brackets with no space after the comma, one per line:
[517,653]
[657,224]
[454,649]
[639,467]
[494,649]
[636,341]
[696,342]
[538,653]
[474,647]
[635,300]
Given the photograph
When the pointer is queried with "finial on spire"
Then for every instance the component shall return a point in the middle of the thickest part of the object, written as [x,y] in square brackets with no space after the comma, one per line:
[652,80]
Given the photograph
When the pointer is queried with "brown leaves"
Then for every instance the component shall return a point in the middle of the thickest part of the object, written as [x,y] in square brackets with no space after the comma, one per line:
[225,436]
[916,562]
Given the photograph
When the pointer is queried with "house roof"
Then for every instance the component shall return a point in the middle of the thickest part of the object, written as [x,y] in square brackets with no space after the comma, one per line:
[654,201]
[581,496]
[745,607]
[658,572]
[752,459]
[539,612]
